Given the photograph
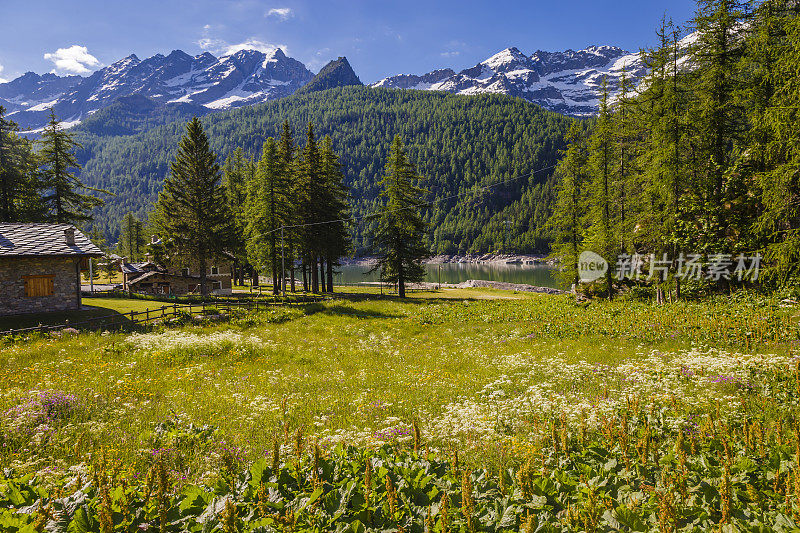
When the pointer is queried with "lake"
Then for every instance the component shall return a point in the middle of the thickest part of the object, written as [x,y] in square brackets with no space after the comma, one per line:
[539,275]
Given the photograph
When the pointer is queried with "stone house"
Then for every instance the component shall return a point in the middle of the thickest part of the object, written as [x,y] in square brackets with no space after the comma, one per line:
[40,267]
[150,278]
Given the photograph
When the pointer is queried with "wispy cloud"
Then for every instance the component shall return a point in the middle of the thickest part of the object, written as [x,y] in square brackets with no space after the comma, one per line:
[2,80]
[222,47]
[282,13]
[453,48]
[76,59]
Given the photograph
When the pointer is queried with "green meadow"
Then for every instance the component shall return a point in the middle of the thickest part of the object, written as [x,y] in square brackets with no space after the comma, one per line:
[448,411]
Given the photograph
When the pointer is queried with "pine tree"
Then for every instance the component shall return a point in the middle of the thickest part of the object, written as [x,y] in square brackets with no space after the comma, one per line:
[310,210]
[719,122]
[399,240]
[64,202]
[266,208]
[568,215]
[291,192]
[193,211]
[337,237]
[773,62]
[131,240]
[236,174]
[20,187]
[602,233]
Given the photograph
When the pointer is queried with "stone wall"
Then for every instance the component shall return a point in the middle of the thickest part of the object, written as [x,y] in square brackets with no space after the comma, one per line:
[12,284]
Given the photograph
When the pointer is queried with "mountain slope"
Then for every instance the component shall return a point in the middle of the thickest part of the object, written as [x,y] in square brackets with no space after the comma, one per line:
[244,78]
[458,143]
[566,82]
[32,90]
[337,73]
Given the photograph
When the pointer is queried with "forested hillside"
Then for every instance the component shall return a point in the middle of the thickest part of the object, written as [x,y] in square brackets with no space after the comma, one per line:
[459,144]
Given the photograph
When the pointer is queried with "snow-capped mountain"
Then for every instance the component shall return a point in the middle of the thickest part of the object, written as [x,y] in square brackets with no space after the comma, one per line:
[32,90]
[244,78]
[567,82]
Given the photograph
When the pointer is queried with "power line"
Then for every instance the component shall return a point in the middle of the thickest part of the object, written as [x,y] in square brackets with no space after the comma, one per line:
[426,204]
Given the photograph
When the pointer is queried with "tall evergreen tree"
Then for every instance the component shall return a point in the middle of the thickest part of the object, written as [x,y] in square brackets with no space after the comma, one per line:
[399,243]
[237,172]
[291,192]
[266,208]
[310,210]
[568,215]
[20,187]
[602,233]
[193,209]
[718,118]
[132,240]
[336,233]
[63,201]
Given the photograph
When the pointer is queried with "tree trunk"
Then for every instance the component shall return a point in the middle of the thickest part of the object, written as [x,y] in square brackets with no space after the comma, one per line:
[314,275]
[305,276]
[291,268]
[202,260]
[322,285]
[330,274]
[401,283]
[254,277]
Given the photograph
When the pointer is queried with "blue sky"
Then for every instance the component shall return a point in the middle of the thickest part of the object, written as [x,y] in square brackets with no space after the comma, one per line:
[379,38]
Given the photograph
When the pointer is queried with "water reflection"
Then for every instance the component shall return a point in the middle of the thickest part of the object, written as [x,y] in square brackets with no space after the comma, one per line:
[539,275]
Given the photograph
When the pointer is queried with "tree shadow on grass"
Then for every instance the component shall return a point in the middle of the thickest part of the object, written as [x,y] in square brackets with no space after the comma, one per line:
[343,310]
[88,317]
[428,299]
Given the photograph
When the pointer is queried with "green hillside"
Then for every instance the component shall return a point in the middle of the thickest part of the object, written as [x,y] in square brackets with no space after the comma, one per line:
[459,143]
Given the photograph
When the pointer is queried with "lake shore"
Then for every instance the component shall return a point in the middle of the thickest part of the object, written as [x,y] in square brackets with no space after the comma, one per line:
[489,258]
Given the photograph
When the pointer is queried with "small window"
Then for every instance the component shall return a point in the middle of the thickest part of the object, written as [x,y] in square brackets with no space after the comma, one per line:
[185,272]
[214,271]
[36,286]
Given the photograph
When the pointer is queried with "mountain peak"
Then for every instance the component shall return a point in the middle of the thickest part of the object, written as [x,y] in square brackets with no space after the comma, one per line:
[508,58]
[337,73]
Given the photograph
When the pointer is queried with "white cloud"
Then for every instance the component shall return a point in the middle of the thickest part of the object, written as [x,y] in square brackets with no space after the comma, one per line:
[283,13]
[221,47]
[2,80]
[75,59]
[453,48]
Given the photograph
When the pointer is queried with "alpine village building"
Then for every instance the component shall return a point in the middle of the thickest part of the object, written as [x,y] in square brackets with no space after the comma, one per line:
[40,267]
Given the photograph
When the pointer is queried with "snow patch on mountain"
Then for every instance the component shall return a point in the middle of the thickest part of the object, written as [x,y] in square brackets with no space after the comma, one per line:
[567,82]
[245,77]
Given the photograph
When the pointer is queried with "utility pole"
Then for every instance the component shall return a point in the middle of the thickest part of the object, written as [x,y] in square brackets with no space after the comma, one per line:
[283,265]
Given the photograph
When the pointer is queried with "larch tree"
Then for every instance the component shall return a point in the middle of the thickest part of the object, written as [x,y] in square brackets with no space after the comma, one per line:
[193,209]
[399,241]
[265,209]
[602,235]
[337,236]
[64,202]
[567,220]
[131,239]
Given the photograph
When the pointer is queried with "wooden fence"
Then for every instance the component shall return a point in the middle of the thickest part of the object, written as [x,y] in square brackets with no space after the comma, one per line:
[148,316]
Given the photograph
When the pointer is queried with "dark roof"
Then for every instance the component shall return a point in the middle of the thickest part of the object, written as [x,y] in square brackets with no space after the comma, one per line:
[135,268]
[43,240]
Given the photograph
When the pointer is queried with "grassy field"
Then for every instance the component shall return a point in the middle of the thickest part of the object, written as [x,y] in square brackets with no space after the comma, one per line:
[575,416]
